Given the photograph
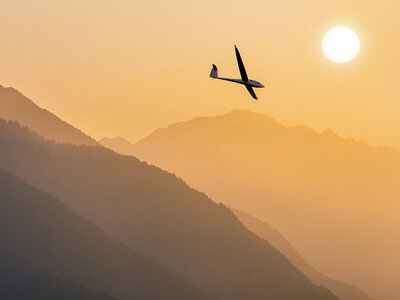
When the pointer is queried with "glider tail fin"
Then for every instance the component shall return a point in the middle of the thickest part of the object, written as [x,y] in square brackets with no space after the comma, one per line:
[214,72]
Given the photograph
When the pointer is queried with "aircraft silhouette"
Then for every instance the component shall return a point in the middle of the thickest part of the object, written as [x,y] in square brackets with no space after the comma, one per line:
[249,84]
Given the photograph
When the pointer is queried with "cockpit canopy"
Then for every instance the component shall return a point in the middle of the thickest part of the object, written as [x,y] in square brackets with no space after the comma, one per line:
[254,81]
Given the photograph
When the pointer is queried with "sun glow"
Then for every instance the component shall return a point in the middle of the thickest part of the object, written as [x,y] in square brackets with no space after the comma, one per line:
[341,44]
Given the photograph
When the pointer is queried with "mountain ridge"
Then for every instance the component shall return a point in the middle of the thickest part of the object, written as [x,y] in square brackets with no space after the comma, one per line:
[40,235]
[295,177]
[343,290]
[117,144]
[14,106]
[158,214]
[329,132]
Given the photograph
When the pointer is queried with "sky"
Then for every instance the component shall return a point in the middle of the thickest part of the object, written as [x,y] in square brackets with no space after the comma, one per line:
[124,68]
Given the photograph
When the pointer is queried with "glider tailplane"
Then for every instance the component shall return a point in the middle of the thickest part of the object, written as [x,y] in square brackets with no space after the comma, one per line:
[214,72]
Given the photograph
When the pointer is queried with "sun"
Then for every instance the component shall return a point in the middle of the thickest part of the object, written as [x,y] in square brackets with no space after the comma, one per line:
[341,44]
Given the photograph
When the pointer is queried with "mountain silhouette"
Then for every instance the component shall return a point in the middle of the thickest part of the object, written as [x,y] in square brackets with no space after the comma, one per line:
[158,214]
[335,199]
[264,230]
[342,290]
[16,107]
[17,284]
[39,234]
[118,144]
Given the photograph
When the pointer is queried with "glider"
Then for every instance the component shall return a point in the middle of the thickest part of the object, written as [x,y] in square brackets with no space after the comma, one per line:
[249,84]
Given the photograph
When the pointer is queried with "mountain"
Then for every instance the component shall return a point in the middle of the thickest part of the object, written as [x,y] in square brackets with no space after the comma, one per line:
[158,214]
[41,235]
[17,284]
[16,107]
[335,199]
[117,144]
[343,290]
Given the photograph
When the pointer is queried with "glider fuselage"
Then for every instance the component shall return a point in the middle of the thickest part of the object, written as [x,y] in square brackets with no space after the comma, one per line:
[251,83]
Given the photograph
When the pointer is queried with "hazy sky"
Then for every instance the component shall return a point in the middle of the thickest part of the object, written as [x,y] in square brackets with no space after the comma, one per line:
[126,67]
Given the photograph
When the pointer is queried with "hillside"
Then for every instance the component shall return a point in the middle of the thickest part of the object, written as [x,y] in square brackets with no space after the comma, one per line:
[16,107]
[158,214]
[343,290]
[117,144]
[40,234]
[17,284]
[335,199]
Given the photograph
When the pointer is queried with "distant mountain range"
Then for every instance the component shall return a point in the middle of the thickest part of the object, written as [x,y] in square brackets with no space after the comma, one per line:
[104,187]
[265,231]
[335,199]
[149,210]
[39,235]
[16,107]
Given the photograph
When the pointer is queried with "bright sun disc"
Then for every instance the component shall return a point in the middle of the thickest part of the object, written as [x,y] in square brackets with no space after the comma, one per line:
[341,44]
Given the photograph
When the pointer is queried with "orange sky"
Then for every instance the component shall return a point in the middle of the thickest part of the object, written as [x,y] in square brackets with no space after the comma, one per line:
[127,67]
